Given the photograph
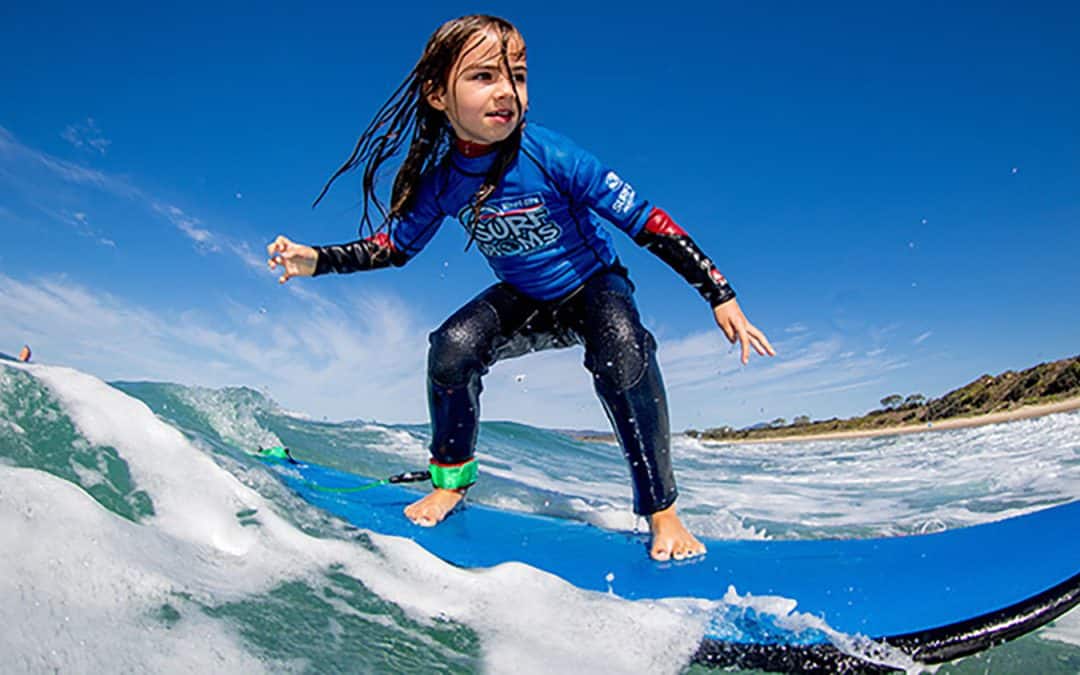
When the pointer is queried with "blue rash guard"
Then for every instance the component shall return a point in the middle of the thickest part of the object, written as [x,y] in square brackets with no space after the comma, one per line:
[540,229]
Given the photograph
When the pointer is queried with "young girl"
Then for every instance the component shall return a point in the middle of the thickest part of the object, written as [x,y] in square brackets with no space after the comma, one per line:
[531,201]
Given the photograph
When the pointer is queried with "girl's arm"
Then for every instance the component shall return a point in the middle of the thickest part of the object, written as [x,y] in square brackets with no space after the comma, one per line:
[669,242]
[298,260]
[410,235]
[673,245]
[365,254]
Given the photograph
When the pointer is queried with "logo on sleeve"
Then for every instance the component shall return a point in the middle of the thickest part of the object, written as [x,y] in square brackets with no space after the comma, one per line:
[625,201]
[511,226]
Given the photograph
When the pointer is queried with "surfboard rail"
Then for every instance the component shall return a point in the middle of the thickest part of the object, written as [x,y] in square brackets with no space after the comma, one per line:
[937,645]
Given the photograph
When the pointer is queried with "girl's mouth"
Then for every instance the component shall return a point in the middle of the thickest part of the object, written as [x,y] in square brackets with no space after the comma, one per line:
[502,115]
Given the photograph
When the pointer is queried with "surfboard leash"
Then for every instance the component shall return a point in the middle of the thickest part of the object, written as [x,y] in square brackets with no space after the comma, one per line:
[282,453]
[406,477]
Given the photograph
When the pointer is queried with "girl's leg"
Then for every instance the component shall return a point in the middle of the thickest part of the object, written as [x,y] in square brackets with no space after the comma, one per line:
[462,350]
[621,355]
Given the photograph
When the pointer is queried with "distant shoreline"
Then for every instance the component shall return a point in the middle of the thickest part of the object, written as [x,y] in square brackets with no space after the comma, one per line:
[1021,413]
[1024,412]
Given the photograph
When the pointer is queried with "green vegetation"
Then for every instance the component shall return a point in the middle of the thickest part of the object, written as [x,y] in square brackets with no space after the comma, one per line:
[1044,383]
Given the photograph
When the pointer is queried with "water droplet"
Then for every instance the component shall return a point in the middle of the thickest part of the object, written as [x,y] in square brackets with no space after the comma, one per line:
[1014,170]
[610,577]
[924,221]
[519,378]
[240,195]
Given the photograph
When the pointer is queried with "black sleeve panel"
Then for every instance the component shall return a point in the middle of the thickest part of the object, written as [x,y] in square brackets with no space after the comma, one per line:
[673,245]
[364,254]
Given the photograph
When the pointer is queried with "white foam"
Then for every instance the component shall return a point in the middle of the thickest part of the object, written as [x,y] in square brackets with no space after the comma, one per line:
[607,516]
[890,485]
[783,611]
[1064,629]
[233,421]
[536,478]
[80,585]
[5,424]
[398,442]
[528,621]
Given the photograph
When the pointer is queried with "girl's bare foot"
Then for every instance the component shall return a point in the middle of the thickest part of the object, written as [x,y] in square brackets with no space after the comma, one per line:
[429,511]
[670,539]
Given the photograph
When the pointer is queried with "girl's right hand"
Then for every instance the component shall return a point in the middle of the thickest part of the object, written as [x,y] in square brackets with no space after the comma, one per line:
[296,259]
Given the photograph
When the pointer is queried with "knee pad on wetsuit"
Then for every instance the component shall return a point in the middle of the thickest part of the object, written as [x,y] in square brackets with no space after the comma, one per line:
[618,353]
[461,347]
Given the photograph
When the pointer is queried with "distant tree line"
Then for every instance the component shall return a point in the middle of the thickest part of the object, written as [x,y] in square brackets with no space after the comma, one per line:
[898,402]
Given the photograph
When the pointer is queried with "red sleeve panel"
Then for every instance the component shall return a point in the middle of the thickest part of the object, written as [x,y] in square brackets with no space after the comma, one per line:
[669,242]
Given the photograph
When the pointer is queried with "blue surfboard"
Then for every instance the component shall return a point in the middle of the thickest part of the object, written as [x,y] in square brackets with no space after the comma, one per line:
[936,597]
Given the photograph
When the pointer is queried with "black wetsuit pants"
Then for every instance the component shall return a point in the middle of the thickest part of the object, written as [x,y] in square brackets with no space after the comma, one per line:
[502,323]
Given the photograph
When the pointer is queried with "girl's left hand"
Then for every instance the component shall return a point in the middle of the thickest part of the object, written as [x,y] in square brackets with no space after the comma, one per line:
[733,322]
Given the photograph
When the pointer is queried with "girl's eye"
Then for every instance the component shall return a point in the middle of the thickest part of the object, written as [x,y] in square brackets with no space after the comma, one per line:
[482,75]
[519,77]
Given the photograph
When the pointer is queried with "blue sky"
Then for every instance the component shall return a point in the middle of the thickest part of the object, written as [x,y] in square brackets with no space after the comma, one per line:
[893,189]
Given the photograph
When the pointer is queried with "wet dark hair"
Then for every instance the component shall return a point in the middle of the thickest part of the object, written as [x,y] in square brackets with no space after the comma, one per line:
[408,115]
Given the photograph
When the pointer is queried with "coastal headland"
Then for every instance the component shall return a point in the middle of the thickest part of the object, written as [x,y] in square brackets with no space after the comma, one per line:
[1044,389]
[1019,413]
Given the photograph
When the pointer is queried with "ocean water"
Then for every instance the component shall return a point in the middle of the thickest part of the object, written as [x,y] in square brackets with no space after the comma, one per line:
[137,535]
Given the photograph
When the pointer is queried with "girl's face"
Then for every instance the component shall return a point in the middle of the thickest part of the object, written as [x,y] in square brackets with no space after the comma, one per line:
[479,97]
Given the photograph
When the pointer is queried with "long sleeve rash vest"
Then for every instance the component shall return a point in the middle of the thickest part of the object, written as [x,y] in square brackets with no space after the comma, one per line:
[540,230]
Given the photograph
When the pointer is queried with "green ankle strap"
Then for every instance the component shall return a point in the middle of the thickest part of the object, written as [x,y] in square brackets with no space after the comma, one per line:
[453,477]
[276,452]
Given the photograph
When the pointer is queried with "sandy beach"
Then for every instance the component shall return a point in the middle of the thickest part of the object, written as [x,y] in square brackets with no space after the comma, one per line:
[1025,412]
